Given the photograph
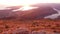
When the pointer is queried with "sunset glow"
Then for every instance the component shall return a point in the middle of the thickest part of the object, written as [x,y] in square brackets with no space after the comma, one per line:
[25,8]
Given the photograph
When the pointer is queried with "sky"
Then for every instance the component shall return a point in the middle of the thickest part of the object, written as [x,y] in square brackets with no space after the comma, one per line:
[26,2]
[7,3]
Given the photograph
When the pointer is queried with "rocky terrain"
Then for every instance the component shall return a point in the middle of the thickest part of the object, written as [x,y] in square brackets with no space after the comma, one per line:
[42,26]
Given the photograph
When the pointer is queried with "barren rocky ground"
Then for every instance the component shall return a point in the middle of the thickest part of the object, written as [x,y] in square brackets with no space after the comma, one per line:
[42,26]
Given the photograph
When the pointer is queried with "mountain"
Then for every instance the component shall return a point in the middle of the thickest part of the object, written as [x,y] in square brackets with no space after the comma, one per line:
[7,12]
[41,12]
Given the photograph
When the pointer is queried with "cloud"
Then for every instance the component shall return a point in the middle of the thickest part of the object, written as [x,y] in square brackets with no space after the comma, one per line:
[24,8]
[54,16]
[3,7]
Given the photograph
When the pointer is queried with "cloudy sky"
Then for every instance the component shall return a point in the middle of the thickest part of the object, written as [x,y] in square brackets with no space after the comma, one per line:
[6,3]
